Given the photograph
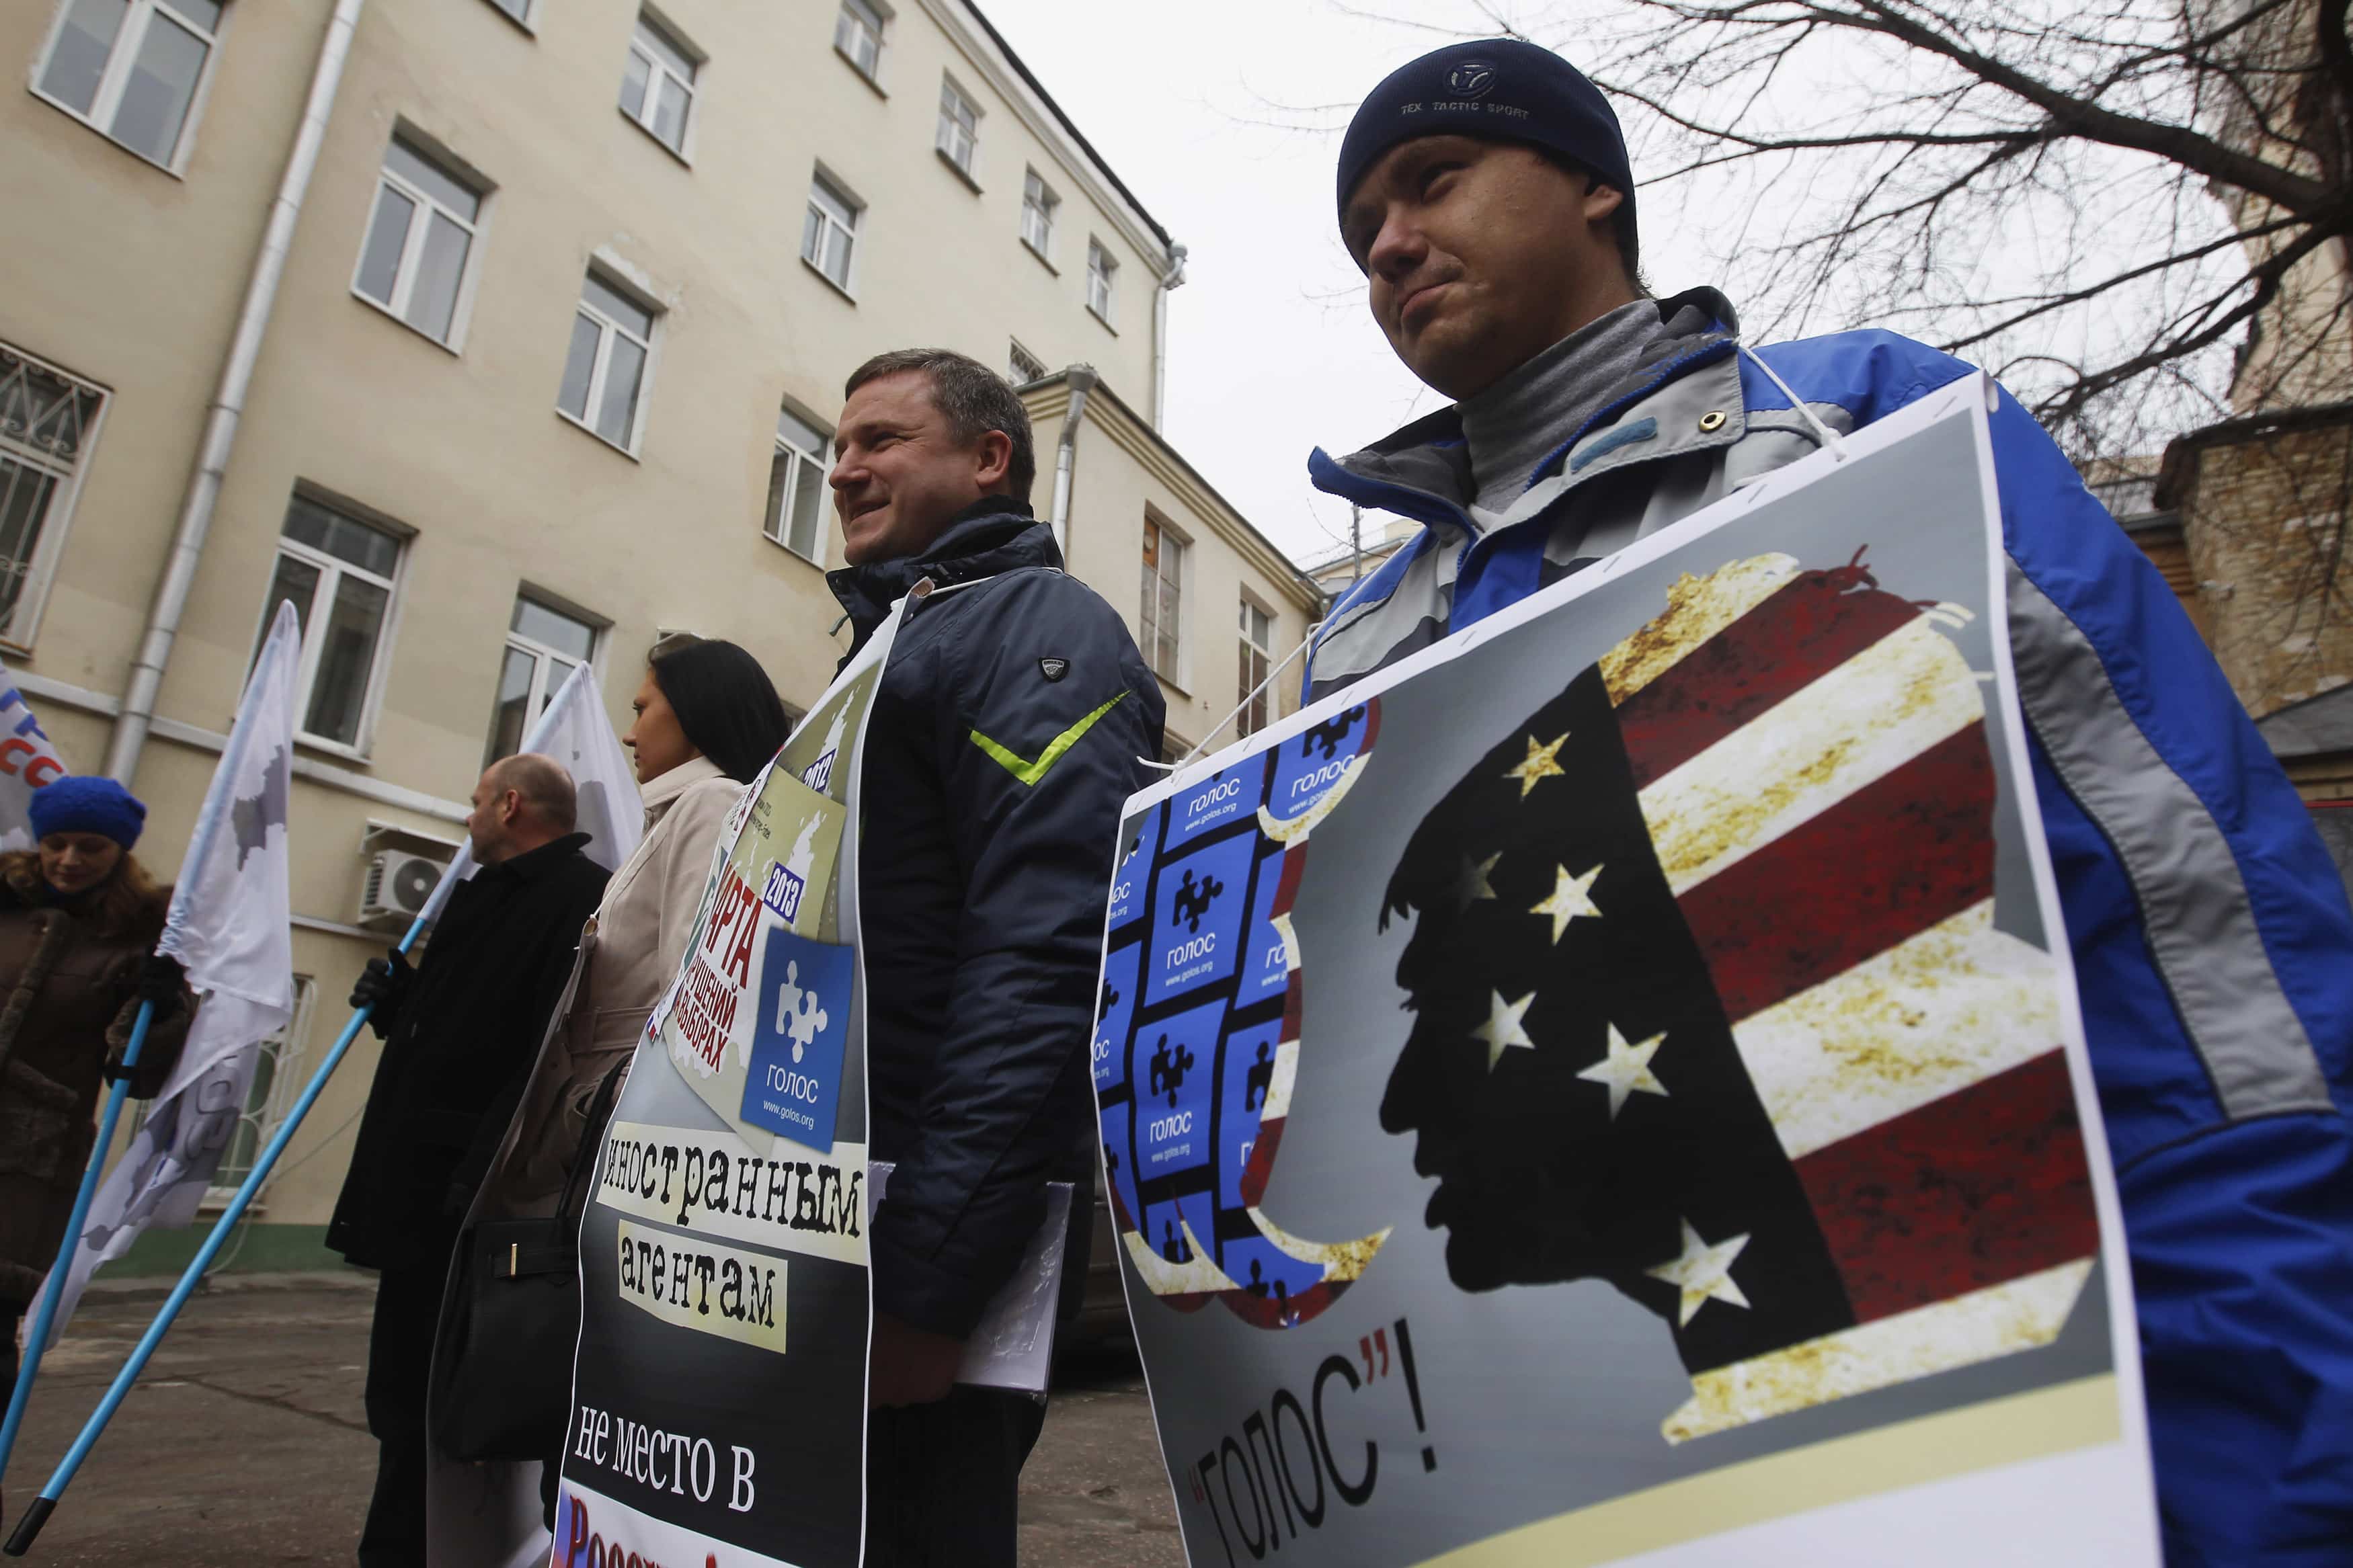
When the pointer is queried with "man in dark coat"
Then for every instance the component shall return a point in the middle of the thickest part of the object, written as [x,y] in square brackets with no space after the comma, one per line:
[1003,742]
[460,1031]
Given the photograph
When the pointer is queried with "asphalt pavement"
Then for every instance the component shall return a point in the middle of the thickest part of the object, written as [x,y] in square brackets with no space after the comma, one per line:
[245,1444]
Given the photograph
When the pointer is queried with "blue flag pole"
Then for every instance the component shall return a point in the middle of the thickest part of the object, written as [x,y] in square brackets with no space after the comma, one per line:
[37,1342]
[29,1527]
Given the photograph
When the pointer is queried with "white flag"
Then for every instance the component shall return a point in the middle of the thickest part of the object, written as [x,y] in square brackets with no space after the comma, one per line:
[27,760]
[573,729]
[229,923]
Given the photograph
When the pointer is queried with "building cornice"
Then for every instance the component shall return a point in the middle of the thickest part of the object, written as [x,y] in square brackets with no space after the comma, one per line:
[1049,400]
[2179,464]
[994,60]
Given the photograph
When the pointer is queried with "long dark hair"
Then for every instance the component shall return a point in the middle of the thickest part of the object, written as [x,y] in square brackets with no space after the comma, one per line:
[724,701]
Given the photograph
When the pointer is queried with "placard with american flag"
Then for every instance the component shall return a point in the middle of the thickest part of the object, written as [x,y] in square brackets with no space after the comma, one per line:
[1620,1071]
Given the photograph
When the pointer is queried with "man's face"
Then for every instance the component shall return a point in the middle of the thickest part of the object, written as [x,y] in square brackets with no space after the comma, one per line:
[899,473]
[491,825]
[1481,255]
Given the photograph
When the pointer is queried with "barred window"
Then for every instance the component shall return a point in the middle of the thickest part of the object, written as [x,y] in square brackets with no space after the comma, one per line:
[48,418]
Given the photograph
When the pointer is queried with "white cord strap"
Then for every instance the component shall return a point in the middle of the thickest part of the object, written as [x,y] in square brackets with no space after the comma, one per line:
[1272,675]
[1829,437]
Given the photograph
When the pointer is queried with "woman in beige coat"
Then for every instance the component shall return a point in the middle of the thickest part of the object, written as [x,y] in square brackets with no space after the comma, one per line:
[708,720]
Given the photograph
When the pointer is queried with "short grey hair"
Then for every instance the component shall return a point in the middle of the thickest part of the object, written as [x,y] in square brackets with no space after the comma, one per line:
[975,399]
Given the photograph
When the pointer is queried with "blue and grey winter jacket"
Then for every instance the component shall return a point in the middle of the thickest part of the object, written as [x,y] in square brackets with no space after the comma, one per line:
[2211,938]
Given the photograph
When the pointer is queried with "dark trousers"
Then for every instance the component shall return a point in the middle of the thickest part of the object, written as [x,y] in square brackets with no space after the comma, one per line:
[941,1480]
[400,1358]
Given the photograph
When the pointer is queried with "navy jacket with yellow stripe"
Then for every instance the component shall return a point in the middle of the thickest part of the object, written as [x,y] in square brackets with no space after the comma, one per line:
[1003,740]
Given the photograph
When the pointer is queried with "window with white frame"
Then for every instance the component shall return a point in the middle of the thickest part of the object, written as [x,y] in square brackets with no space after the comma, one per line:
[1164,574]
[658,83]
[277,1080]
[830,232]
[544,646]
[339,574]
[1038,202]
[858,34]
[959,137]
[48,421]
[1258,658]
[418,241]
[1101,271]
[795,514]
[132,69]
[1026,367]
[604,370]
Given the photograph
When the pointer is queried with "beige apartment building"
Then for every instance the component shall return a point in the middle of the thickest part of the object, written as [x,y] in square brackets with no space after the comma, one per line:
[502,335]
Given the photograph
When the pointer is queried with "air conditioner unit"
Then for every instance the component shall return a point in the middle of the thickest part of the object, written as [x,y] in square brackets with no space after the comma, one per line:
[396,887]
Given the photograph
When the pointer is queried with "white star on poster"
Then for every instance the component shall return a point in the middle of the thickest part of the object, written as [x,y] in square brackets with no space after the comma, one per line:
[1538,765]
[1502,1030]
[1571,897]
[1625,1069]
[1704,1272]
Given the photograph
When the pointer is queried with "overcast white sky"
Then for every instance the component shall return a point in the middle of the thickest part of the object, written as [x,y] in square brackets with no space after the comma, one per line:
[1271,350]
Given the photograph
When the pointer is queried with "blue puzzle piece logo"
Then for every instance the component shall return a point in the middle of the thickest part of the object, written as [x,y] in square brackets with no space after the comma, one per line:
[1116,1007]
[1115,1121]
[1198,936]
[1242,1096]
[801,1029]
[1306,768]
[1137,841]
[1177,1060]
[1267,965]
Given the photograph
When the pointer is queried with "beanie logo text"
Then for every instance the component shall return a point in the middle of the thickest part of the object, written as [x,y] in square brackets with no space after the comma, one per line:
[1472,80]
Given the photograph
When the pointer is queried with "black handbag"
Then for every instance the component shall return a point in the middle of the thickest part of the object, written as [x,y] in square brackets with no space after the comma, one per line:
[502,1379]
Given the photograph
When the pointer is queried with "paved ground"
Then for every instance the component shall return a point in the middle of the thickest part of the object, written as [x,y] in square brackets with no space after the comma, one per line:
[245,1444]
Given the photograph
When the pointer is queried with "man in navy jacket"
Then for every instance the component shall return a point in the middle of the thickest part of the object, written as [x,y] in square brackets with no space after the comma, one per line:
[1003,740]
[1485,191]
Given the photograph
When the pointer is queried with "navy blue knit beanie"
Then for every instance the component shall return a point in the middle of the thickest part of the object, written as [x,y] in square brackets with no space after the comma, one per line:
[84,804]
[1497,88]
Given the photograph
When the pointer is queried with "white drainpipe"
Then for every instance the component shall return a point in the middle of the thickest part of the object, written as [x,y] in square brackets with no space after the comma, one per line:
[228,402]
[1174,280]
[1083,379]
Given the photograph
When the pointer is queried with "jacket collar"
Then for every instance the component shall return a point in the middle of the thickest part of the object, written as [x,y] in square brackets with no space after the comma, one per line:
[533,864]
[658,795]
[996,533]
[1422,469]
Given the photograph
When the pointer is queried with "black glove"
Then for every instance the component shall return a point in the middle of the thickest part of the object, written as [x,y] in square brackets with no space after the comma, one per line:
[162,981]
[384,986]
[114,1071]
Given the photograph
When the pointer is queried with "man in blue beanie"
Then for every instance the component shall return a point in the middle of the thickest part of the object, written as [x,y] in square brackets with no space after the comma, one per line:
[1485,191]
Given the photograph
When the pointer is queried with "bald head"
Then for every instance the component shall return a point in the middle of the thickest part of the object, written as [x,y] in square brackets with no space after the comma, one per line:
[521,803]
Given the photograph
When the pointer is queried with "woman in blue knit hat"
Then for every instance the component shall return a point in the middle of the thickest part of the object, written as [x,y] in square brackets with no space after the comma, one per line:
[79,920]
